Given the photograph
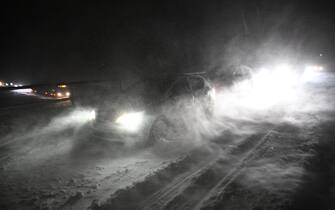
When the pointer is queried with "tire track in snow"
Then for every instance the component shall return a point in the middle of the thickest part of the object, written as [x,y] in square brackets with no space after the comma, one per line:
[169,196]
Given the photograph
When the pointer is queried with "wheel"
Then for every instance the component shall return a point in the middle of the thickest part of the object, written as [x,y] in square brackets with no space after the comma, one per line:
[165,135]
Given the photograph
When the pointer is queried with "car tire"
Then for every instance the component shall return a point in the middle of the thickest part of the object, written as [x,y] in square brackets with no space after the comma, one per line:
[160,136]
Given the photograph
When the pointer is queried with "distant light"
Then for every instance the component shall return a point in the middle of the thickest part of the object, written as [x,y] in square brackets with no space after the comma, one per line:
[16,86]
[312,73]
[59,94]
[1,83]
[314,68]
[321,54]
[62,86]
[11,84]
[27,90]
[6,84]
[68,94]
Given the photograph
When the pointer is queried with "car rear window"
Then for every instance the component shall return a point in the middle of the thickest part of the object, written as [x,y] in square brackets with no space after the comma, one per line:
[180,87]
[196,83]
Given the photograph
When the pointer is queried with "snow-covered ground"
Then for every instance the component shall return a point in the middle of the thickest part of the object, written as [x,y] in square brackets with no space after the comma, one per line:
[54,163]
[49,161]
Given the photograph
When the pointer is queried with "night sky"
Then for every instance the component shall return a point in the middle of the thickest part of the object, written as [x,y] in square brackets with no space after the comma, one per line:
[71,41]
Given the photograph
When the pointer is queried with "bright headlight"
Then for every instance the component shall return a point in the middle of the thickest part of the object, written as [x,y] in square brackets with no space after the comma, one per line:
[212,93]
[91,115]
[59,94]
[130,121]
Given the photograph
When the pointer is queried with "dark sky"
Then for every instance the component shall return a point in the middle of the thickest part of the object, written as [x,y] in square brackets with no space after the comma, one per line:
[55,40]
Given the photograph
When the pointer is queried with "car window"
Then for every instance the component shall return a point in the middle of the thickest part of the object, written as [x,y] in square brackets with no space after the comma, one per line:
[180,87]
[196,83]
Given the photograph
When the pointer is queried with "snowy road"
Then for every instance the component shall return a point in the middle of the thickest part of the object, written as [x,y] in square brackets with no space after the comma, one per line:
[49,161]
[54,164]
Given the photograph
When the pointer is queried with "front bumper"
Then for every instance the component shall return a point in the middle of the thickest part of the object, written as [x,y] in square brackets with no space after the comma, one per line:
[109,133]
[113,133]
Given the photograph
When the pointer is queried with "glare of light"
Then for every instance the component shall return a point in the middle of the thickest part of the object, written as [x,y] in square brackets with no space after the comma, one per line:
[212,93]
[311,73]
[16,86]
[130,121]
[91,115]
[80,116]
[59,94]
[314,68]
[27,90]
[275,83]
[62,86]
[6,84]
[11,84]
[266,88]
[68,94]
[1,83]
[77,117]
